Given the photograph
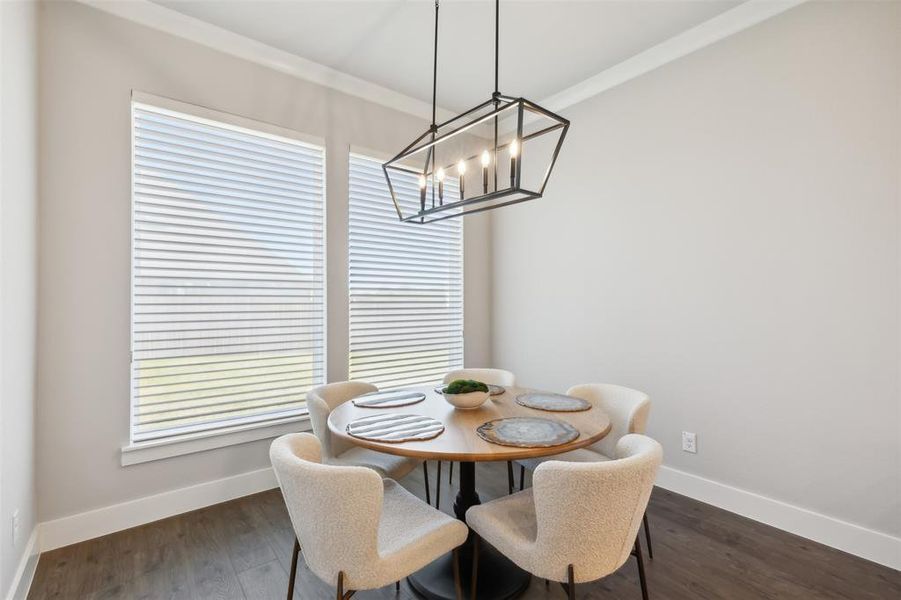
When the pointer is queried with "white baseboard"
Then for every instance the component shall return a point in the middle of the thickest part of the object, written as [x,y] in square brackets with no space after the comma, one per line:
[848,537]
[109,519]
[21,583]
[49,535]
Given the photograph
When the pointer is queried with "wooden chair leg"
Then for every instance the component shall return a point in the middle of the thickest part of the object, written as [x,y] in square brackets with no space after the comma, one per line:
[425,474]
[458,587]
[522,477]
[641,576]
[293,575]
[647,535]
[342,595]
[476,541]
[571,588]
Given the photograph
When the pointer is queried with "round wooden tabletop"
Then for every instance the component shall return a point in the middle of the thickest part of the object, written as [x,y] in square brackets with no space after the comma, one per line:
[460,442]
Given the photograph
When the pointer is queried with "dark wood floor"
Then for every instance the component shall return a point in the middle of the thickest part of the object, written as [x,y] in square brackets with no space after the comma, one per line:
[242,549]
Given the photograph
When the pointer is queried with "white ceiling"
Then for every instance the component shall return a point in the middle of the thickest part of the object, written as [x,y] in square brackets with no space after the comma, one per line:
[546,45]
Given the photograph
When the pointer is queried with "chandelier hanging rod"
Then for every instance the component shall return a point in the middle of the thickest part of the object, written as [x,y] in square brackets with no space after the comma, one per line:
[435,71]
[497,44]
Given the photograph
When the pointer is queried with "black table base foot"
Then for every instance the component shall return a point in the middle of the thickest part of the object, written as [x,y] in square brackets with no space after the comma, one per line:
[499,579]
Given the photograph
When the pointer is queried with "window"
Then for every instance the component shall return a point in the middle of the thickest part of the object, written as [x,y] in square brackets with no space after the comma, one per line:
[406,285]
[227,273]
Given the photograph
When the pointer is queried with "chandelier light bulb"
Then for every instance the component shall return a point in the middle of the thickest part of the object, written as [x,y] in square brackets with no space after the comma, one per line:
[461,167]
[440,174]
[514,148]
[422,192]
[486,158]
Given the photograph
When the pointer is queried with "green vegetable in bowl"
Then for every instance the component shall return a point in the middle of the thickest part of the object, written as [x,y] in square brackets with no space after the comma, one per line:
[465,386]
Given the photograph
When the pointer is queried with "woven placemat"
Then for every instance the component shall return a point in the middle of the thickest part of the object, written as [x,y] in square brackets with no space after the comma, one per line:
[527,432]
[389,399]
[395,428]
[493,390]
[553,402]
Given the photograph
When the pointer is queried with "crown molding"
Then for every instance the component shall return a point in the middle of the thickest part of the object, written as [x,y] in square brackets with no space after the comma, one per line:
[732,21]
[175,23]
[164,19]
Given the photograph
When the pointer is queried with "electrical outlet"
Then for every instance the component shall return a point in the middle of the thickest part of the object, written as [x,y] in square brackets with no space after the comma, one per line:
[15,527]
[689,442]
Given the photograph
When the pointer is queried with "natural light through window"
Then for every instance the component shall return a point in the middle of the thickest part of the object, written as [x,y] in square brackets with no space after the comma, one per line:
[227,274]
[406,284]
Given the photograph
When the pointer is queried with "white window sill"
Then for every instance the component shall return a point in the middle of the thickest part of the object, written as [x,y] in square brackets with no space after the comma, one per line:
[142,452]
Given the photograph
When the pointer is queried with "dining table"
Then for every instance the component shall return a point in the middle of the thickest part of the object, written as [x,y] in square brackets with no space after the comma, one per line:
[499,578]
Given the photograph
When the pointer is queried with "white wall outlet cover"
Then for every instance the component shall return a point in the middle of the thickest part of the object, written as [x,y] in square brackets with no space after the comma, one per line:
[689,442]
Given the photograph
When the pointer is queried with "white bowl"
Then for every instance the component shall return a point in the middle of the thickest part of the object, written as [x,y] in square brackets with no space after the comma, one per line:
[467,401]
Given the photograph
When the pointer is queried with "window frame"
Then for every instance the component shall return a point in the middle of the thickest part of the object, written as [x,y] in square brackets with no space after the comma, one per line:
[375,155]
[144,451]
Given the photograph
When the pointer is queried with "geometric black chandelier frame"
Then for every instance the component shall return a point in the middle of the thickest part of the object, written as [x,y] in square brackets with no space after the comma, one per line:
[500,152]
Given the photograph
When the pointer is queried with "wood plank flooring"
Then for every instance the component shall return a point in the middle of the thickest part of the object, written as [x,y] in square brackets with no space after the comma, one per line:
[242,549]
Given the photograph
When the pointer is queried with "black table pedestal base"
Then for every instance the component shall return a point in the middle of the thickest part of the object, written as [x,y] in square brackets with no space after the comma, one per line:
[498,578]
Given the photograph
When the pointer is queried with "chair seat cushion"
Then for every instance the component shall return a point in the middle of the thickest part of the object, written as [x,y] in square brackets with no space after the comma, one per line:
[509,524]
[386,465]
[412,534]
[582,455]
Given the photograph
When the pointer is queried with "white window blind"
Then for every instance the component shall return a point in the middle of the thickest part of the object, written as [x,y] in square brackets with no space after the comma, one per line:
[227,274]
[406,284]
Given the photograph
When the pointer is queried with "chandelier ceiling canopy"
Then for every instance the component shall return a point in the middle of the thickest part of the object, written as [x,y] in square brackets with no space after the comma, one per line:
[497,153]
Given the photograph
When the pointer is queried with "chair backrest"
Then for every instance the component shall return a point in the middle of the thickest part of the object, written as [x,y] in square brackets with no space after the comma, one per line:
[492,376]
[334,510]
[320,403]
[626,408]
[589,513]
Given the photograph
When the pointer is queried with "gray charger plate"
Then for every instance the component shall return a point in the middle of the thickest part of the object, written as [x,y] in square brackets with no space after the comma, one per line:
[552,402]
[388,399]
[527,432]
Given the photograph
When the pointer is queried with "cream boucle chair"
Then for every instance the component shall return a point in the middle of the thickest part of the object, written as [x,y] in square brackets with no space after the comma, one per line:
[627,410]
[494,377]
[579,521]
[358,531]
[335,451]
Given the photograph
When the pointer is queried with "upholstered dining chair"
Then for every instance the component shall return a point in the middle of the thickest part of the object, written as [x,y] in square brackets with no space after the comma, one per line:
[486,376]
[627,410]
[579,521]
[335,451]
[357,530]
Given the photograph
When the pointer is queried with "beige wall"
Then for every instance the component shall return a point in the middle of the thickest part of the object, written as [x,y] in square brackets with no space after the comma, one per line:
[724,234]
[18,274]
[90,62]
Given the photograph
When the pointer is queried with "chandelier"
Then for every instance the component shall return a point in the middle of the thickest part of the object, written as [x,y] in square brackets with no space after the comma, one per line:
[498,153]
